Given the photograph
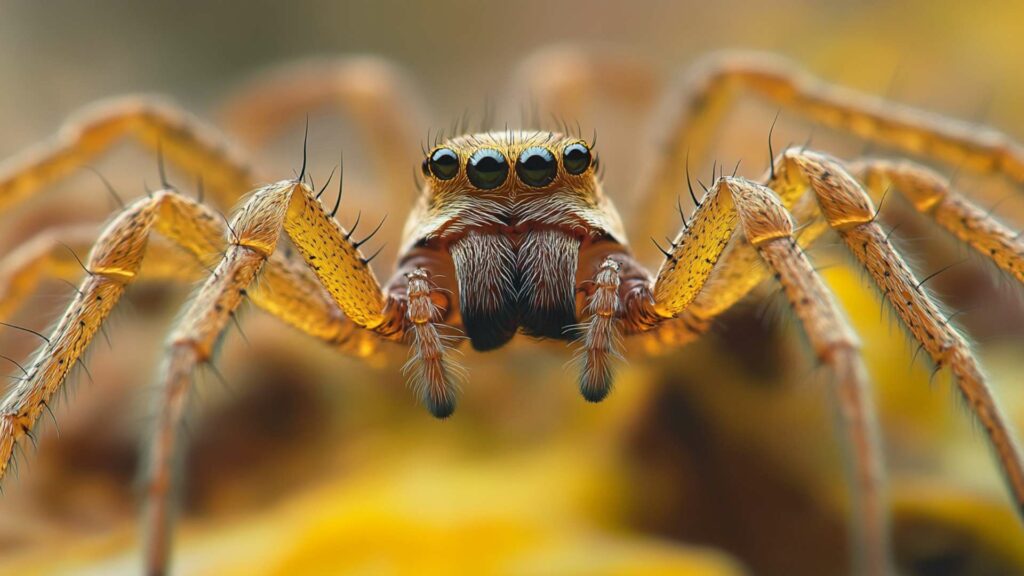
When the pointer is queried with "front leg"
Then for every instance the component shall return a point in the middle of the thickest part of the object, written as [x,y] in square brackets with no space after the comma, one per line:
[601,338]
[339,266]
[618,301]
[419,299]
[431,373]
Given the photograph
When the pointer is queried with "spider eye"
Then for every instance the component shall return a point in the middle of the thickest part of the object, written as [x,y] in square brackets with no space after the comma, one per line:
[536,166]
[443,164]
[576,158]
[487,168]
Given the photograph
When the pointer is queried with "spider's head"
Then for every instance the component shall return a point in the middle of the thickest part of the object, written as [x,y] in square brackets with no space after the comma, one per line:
[516,211]
[513,181]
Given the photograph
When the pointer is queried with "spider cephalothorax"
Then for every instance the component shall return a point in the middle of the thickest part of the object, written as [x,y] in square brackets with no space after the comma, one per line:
[515,211]
[512,232]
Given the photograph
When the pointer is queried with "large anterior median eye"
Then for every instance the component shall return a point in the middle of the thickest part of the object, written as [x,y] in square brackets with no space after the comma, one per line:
[443,164]
[536,167]
[487,168]
[576,158]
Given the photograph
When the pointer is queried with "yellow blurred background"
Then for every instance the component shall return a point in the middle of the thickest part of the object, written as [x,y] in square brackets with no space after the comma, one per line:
[718,458]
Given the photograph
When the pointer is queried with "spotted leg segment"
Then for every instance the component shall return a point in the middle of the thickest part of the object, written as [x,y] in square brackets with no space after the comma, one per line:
[338,264]
[286,289]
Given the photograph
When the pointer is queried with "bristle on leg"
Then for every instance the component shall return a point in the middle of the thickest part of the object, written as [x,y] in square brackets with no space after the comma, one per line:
[601,342]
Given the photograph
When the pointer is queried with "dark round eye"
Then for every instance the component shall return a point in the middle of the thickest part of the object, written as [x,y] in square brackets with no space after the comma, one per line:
[487,168]
[443,164]
[536,166]
[576,158]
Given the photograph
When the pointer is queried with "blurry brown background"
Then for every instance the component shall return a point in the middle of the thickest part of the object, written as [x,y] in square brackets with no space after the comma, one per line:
[716,459]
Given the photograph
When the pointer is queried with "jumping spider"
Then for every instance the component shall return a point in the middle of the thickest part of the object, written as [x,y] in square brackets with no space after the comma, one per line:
[512,232]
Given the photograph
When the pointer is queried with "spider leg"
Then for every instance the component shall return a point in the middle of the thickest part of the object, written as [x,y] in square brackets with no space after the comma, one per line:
[179,136]
[849,211]
[191,343]
[335,268]
[768,227]
[696,109]
[433,375]
[377,95]
[696,251]
[601,342]
[931,195]
[286,289]
[113,263]
[337,262]
[52,254]
[768,230]
[339,265]
[740,270]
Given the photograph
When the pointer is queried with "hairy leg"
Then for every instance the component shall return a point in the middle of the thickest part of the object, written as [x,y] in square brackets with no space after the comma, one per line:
[768,227]
[286,289]
[339,266]
[768,231]
[696,109]
[847,208]
[849,211]
[335,267]
[114,262]
[182,138]
[601,335]
[432,373]
[53,254]
[932,195]
[740,270]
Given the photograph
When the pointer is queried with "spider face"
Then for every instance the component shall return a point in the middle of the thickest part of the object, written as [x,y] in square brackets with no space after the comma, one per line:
[514,210]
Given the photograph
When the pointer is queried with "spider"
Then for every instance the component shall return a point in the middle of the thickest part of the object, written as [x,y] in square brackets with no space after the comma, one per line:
[513,233]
